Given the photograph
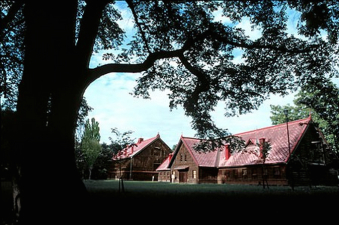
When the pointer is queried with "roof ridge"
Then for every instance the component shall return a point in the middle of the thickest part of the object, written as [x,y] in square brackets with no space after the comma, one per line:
[188,147]
[150,138]
[277,125]
[130,148]
[262,128]
[184,137]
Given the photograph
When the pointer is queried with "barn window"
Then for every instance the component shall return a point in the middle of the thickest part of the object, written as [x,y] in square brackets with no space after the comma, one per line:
[235,174]
[276,172]
[265,171]
[254,172]
[157,151]
[194,174]
[244,173]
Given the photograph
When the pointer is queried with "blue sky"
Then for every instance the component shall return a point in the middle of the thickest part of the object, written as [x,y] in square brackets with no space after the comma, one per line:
[115,107]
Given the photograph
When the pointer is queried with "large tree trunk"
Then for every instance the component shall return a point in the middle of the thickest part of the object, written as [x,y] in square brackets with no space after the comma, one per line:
[48,188]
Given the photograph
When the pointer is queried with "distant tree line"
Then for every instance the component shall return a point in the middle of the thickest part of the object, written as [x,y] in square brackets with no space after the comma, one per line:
[94,164]
[321,100]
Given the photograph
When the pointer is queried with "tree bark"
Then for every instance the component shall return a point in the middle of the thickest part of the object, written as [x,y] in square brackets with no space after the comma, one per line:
[48,188]
[90,172]
[47,185]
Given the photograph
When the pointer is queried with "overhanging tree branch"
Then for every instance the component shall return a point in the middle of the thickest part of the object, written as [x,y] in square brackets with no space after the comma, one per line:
[213,33]
[4,22]
[202,85]
[132,68]
[131,6]
[89,29]
[244,43]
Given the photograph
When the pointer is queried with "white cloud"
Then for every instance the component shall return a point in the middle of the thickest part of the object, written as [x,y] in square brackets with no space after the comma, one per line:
[127,23]
[219,17]
[292,22]
[257,119]
[115,107]
[246,25]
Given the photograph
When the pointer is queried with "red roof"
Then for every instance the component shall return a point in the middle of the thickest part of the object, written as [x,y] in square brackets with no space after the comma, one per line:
[165,163]
[202,159]
[133,149]
[276,136]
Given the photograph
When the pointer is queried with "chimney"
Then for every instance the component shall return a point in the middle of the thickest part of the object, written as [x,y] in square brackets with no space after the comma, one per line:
[170,156]
[227,151]
[140,140]
[261,147]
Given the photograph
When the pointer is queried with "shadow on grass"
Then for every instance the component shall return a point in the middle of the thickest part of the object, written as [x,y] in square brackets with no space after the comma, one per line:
[205,200]
[157,202]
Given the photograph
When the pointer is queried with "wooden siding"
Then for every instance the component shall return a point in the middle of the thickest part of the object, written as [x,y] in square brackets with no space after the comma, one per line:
[303,160]
[273,174]
[307,167]
[141,166]
[184,168]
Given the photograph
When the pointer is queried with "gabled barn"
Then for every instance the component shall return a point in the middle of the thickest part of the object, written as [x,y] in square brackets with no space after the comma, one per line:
[298,155]
[185,165]
[139,161]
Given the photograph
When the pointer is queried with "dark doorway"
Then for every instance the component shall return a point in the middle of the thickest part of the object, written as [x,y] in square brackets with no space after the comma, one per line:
[182,176]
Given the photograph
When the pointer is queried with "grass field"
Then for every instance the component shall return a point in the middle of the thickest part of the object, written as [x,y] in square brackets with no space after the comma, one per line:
[147,189]
[157,202]
[213,199]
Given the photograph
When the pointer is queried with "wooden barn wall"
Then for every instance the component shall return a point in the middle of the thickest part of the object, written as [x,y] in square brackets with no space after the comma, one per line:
[143,165]
[164,176]
[274,174]
[208,175]
[184,168]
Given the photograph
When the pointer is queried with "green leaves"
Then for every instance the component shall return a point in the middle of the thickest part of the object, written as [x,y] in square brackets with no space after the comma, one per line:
[320,97]
[92,130]
[183,47]
[122,139]
[90,141]
[206,73]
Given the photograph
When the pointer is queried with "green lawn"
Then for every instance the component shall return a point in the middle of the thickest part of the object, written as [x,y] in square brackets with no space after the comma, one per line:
[157,191]
[213,201]
[110,188]
[158,202]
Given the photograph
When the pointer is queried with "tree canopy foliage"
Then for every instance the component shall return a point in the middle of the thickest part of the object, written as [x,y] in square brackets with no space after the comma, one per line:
[180,46]
[321,100]
[121,140]
[90,143]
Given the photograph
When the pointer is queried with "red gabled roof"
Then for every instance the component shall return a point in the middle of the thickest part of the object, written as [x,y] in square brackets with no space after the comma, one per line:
[165,164]
[203,159]
[276,136]
[133,149]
